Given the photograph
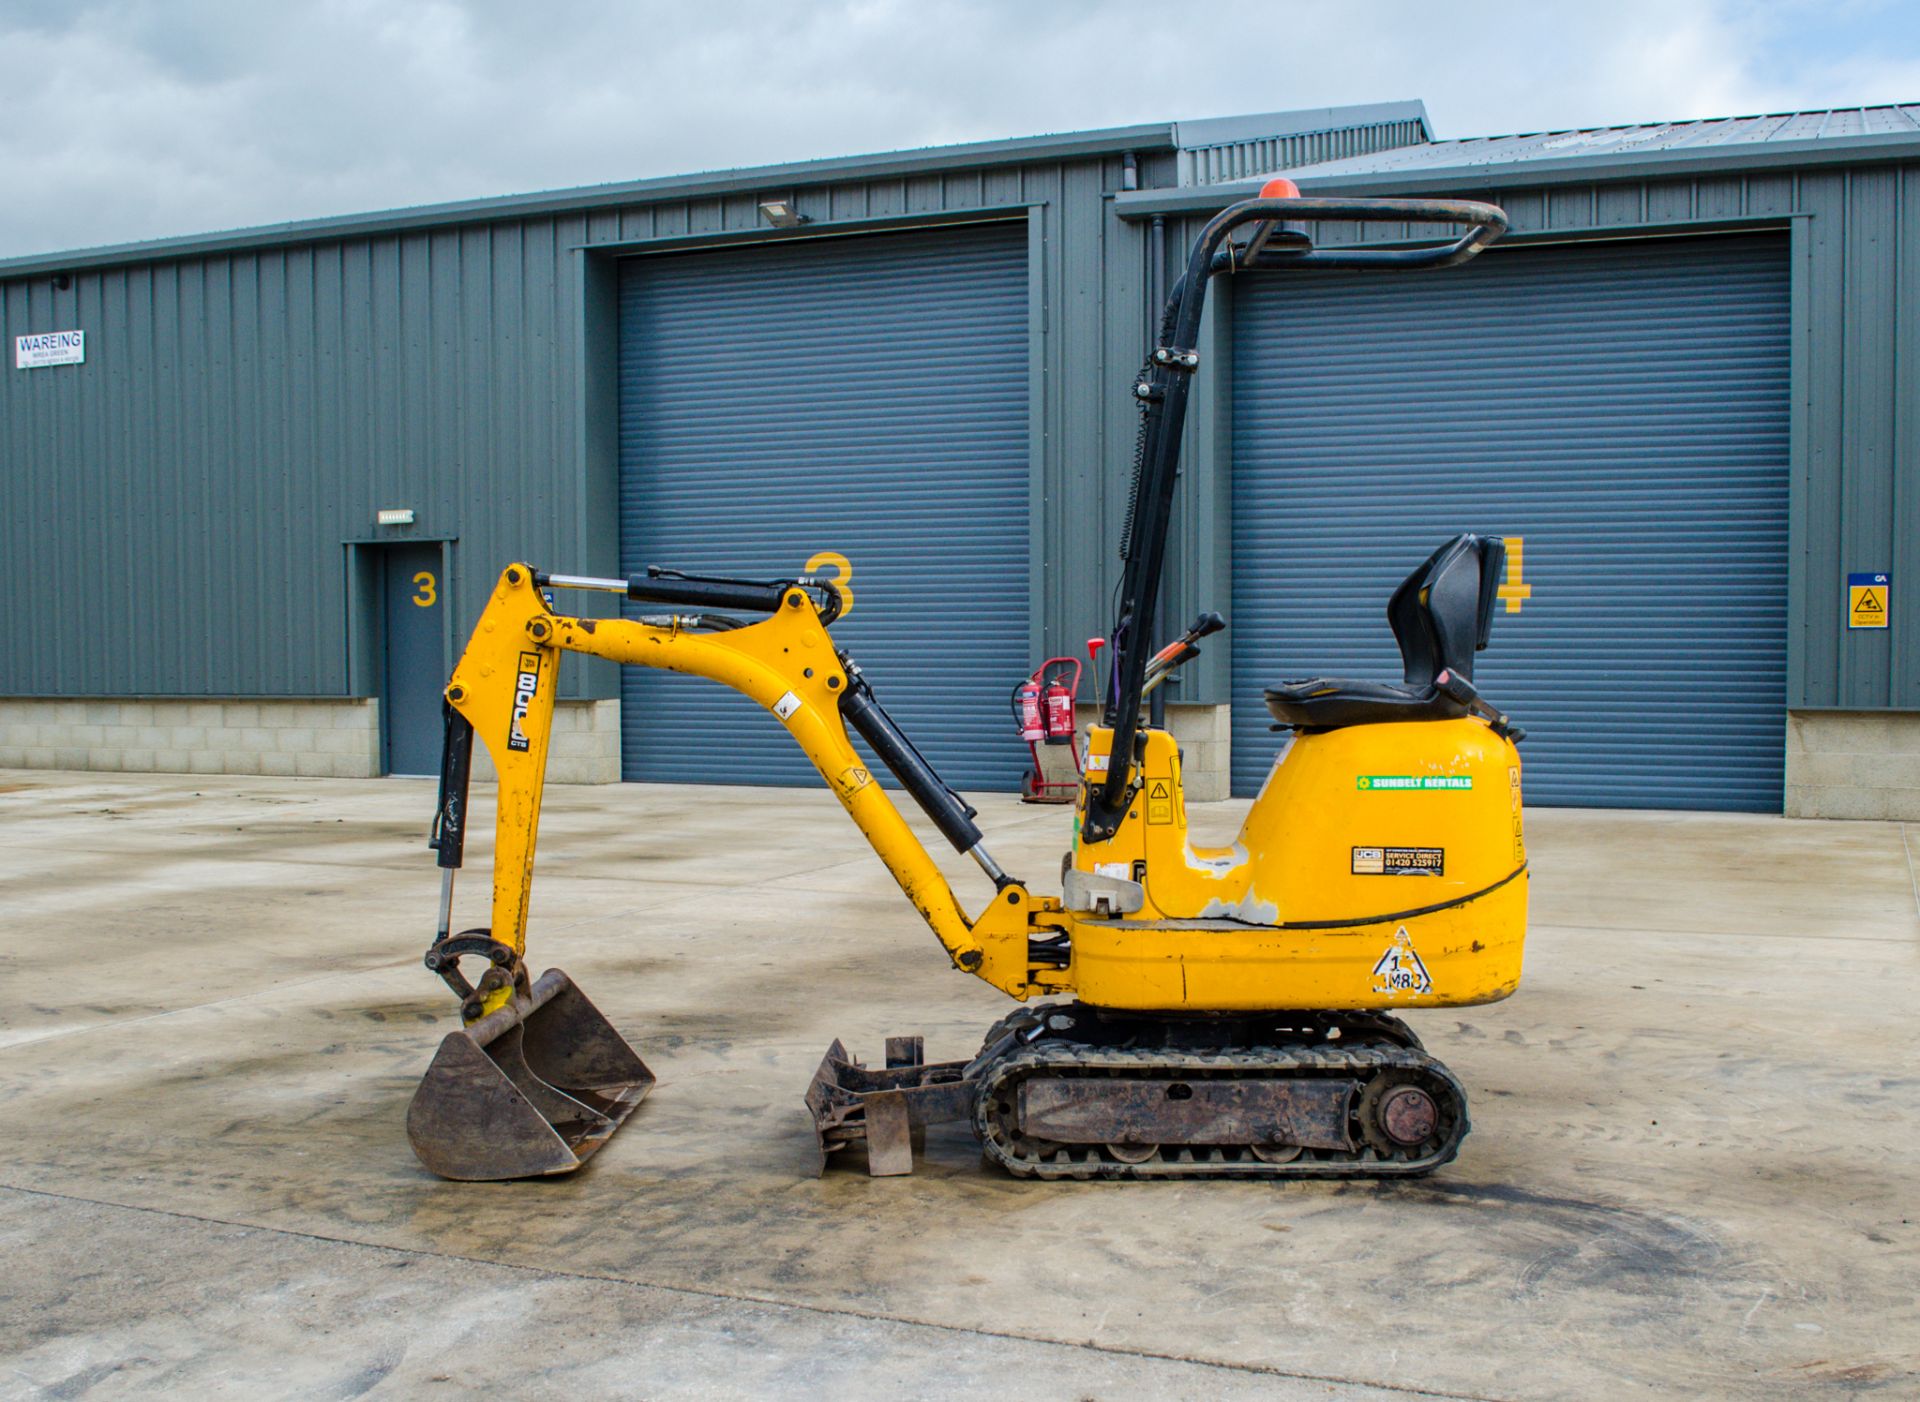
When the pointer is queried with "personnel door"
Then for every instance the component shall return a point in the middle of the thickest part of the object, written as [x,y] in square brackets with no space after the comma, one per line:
[415,671]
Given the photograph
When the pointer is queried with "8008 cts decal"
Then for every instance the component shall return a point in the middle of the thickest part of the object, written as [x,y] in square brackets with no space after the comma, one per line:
[524,687]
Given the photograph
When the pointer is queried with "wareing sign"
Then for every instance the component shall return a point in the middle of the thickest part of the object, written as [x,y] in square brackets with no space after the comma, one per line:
[49,348]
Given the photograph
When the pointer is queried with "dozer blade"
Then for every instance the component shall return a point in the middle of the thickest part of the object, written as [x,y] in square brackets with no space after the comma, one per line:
[532,1088]
[886,1109]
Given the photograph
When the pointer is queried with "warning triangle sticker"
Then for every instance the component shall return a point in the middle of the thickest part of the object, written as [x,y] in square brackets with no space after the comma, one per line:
[1869,602]
[1159,789]
[1400,969]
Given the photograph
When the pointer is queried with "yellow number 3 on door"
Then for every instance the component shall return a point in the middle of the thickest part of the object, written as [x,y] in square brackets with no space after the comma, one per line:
[841,579]
[423,591]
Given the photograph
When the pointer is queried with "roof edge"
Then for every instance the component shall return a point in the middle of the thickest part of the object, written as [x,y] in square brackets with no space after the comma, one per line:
[923,160]
[1852,150]
[772,179]
[1567,170]
[1216,131]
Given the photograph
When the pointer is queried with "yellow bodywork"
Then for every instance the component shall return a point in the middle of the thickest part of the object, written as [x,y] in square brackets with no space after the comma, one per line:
[1299,911]
[1285,918]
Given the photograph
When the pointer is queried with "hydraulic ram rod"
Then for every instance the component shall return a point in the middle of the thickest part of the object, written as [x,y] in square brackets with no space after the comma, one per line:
[950,812]
[744,594]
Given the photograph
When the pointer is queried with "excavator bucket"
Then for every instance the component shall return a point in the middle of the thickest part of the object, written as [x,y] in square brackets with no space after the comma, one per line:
[532,1088]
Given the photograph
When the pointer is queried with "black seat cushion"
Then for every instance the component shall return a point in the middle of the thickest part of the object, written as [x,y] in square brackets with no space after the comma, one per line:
[1325,703]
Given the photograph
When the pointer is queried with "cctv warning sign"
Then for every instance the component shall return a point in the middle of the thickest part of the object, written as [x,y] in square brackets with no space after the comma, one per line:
[1869,597]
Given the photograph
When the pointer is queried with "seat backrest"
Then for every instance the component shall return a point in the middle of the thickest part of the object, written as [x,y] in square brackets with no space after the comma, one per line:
[1442,613]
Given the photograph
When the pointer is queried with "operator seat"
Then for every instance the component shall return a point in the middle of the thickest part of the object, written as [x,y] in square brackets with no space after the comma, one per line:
[1441,615]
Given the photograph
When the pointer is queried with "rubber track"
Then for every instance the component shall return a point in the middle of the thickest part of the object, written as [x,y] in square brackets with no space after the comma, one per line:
[1086,1161]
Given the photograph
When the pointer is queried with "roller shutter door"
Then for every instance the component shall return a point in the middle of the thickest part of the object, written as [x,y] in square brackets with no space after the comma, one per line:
[1620,407]
[866,396]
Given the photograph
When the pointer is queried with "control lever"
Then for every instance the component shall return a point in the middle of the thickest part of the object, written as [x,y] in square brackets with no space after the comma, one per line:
[1203,626]
[1463,691]
[1164,669]
[1093,667]
[1180,651]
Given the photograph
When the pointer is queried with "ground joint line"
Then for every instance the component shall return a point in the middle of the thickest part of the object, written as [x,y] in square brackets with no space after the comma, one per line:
[746,1298]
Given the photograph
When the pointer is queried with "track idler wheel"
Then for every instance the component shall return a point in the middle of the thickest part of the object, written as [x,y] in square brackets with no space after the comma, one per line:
[1400,1116]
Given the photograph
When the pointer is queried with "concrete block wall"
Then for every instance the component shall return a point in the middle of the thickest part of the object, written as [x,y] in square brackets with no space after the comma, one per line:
[332,739]
[1853,764]
[585,747]
[337,739]
[1205,737]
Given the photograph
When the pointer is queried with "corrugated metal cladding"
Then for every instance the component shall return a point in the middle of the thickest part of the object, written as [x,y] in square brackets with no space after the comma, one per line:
[860,395]
[250,400]
[1238,160]
[1620,407]
[1856,451]
[173,512]
[1603,143]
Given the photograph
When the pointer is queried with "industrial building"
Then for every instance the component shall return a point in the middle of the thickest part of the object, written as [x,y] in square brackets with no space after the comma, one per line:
[251,510]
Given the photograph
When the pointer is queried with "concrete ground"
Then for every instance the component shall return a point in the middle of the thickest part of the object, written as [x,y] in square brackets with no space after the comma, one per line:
[1695,1167]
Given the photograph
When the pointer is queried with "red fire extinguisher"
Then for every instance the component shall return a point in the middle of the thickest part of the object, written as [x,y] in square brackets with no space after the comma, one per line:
[1059,699]
[1026,701]
[1043,710]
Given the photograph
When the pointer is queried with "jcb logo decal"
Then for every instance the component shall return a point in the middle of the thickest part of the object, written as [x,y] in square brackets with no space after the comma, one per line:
[523,693]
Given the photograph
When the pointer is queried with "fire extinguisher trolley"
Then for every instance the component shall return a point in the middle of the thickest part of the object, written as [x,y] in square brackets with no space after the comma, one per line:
[1043,709]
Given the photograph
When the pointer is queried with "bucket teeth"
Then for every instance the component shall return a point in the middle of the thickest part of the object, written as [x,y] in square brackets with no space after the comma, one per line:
[531,1089]
[886,1108]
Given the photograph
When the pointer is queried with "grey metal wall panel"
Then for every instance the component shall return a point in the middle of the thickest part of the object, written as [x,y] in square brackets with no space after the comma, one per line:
[241,416]
[1622,407]
[176,507]
[867,396]
[1852,440]
[154,460]
[1856,450]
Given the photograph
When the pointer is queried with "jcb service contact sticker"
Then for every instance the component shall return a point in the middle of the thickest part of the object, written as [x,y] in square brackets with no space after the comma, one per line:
[1399,861]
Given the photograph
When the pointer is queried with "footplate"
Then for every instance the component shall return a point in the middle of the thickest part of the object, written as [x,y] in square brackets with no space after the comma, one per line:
[886,1108]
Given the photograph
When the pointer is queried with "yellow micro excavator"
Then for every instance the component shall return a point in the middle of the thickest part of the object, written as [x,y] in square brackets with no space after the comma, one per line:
[1218,1012]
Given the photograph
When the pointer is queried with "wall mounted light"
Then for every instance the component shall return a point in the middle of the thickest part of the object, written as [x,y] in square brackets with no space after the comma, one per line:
[782,215]
[394,516]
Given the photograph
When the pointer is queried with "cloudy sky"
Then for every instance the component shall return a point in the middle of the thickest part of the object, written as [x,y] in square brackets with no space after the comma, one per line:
[132,119]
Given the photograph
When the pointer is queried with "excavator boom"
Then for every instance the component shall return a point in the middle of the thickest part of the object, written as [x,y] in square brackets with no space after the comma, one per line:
[537,1079]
